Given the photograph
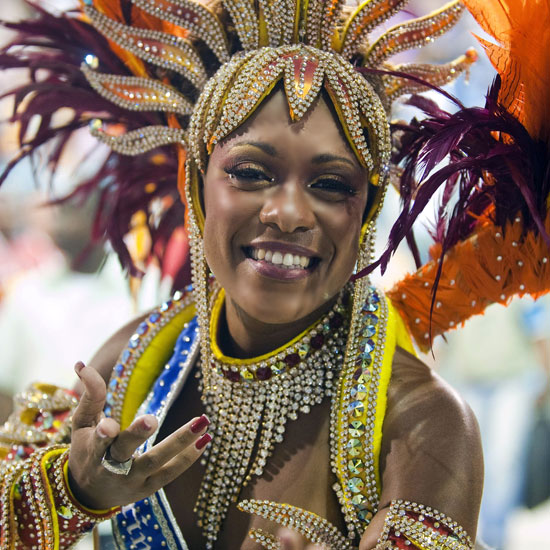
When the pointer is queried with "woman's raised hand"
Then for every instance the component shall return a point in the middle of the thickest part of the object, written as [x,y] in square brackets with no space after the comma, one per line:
[93,435]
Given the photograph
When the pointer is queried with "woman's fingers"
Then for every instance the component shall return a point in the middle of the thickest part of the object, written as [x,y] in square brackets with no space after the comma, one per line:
[88,412]
[179,464]
[185,443]
[93,434]
[104,434]
[132,437]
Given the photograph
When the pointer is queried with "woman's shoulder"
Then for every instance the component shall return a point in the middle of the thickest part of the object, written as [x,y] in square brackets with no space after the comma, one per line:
[138,333]
[431,446]
[415,386]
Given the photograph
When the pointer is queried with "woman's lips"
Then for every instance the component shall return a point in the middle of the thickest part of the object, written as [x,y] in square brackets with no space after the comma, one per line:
[286,260]
[279,261]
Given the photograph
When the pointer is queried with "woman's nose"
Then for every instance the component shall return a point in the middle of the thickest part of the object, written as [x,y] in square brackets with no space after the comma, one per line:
[288,208]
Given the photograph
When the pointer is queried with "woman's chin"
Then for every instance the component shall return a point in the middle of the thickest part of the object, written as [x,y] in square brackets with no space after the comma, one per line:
[276,306]
[279,300]
[279,315]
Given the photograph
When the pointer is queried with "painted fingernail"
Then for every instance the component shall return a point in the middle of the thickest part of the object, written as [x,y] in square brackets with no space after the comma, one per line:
[200,424]
[78,367]
[203,440]
[146,423]
[100,432]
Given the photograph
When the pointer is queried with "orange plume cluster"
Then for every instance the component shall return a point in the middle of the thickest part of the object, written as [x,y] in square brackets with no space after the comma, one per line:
[491,266]
[494,263]
[521,55]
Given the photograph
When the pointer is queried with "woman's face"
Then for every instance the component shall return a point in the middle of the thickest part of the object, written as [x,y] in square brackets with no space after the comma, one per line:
[283,209]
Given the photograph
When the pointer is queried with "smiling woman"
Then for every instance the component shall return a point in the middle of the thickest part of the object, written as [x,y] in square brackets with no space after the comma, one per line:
[319,416]
[293,193]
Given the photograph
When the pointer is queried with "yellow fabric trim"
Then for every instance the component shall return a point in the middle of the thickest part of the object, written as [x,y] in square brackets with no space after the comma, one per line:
[404,339]
[48,488]
[89,511]
[218,354]
[396,335]
[151,362]
[382,395]
[12,516]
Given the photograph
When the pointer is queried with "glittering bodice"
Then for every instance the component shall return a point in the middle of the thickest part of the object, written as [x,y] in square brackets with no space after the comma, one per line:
[160,356]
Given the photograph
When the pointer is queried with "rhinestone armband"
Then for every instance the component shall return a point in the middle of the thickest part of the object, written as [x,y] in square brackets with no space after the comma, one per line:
[37,508]
[315,528]
[411,525]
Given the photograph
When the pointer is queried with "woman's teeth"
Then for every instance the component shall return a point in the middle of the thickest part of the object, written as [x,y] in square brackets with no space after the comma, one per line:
[288,261]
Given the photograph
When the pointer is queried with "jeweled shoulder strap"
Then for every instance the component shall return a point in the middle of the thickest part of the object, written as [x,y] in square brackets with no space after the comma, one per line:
[360,406]
[149,385]
[145,355]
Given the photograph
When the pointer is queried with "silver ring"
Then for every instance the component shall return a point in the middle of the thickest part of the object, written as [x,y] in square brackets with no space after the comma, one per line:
[114,466]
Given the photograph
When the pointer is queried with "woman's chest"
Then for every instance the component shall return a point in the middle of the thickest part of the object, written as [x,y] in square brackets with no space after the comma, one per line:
[298,473]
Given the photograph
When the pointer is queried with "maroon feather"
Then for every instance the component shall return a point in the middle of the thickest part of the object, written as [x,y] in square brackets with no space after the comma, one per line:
[476,144]
[56,45]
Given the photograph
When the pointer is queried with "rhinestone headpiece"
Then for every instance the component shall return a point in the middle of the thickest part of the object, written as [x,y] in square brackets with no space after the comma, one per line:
[229,55]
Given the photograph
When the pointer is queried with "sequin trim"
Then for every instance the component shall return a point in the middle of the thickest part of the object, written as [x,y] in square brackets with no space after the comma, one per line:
[145,332]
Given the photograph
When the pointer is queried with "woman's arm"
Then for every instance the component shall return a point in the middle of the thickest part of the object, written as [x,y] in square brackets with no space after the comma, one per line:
[51,492]
[431,449]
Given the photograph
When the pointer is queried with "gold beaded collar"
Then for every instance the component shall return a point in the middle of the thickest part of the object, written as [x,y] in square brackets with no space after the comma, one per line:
[290,355]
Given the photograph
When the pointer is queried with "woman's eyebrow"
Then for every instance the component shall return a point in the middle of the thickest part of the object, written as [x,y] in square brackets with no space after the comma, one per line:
[265,147]
[327,157]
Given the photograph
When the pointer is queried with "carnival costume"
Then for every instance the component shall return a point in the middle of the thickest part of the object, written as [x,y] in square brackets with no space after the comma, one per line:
[196,74]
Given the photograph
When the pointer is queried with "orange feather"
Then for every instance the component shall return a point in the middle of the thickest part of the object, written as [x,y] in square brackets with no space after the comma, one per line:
[521,55]
[491,266]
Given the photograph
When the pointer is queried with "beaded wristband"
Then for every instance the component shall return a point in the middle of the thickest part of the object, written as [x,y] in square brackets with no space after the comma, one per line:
[75,518]
[412,525]
[38,509]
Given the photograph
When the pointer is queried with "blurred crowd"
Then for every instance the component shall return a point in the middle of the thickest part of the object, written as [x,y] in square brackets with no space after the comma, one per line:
[60,298]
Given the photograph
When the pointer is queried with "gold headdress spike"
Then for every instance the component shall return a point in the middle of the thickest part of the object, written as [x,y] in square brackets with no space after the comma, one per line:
[156,47]
[138,94]
[193,17]
[436,75]
[310,32]
[412,34]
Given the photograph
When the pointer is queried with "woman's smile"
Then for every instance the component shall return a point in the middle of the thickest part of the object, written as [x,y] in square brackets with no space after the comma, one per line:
[280,260]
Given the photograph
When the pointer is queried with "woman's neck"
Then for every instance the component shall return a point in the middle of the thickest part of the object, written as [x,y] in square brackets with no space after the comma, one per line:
[242,336]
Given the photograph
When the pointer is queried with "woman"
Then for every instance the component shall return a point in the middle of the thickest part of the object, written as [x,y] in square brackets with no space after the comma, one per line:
[290,188]
[321,416]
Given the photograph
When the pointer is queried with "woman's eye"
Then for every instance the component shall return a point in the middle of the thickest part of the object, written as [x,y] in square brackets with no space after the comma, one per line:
[334,186]
[247,174]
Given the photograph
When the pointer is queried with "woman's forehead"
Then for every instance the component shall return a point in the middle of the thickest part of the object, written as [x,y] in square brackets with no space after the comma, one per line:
[272,129]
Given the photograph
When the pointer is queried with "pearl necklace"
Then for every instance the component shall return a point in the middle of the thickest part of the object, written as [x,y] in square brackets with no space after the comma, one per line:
[250,402]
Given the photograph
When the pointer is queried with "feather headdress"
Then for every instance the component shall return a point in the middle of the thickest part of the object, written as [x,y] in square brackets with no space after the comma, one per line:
[140,65]
[493,241]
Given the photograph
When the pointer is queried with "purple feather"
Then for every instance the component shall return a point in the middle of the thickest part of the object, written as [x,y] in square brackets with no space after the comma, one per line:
[476,144]
[56,45]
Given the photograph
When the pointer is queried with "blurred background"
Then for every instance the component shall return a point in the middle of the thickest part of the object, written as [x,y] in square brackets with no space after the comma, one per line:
[61,298]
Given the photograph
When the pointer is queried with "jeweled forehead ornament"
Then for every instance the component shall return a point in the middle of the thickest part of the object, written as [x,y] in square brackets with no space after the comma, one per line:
[309,45]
